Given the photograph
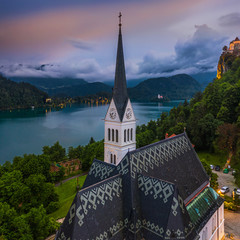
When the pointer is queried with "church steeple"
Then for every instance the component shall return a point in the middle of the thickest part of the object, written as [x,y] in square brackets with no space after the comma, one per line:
[120,94]
[120,121]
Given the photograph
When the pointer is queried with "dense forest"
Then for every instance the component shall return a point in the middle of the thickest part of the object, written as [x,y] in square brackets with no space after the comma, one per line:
[19,95]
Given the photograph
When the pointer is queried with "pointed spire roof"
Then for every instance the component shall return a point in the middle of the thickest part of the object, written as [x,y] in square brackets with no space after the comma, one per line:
[120,95]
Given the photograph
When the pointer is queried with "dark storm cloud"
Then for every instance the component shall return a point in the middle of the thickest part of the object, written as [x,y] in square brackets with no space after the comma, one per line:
[197,54]
[232,19]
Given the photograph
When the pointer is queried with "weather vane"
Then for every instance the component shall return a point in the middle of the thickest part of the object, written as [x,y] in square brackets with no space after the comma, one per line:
[120,15]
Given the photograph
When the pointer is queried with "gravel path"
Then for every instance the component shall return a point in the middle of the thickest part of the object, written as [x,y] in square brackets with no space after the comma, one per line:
[82,174]
[232,223]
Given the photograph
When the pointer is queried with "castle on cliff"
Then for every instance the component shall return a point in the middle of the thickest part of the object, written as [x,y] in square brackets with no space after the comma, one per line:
[234,47]
[227,57]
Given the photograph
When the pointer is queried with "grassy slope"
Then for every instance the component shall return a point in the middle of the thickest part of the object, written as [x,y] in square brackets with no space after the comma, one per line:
[213,158]
[66,192]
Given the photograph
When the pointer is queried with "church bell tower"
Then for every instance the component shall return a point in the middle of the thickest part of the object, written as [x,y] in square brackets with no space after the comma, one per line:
[120,121]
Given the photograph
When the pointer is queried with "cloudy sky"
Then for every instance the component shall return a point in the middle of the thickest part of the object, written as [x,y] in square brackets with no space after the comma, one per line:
[78,38]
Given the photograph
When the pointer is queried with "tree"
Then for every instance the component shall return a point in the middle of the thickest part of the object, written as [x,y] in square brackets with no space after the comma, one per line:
[144,138]
[12,226]
[12,189]
[32,164]
[177,129]
[204,131]
[91,140]
[213,176]
[42,193]
[228,135]
[56,153]
[75,152]
[40,224]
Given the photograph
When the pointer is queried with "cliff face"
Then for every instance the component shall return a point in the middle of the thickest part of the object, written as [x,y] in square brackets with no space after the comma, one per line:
[222,67]
[225,63]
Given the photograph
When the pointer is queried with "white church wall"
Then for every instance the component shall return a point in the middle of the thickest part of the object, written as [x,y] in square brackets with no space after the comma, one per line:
[214,228]
[118,146]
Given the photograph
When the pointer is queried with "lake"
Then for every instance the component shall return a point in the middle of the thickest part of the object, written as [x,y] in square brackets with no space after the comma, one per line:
[27,131]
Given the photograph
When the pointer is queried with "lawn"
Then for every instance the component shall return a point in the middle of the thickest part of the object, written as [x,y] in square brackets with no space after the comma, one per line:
[67,192]
[213,158]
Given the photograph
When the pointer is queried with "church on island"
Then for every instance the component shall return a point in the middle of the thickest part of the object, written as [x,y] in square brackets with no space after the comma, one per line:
[160,191]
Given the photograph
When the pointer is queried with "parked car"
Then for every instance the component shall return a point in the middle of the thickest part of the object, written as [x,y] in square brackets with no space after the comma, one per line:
[226,170]
[212,166]
[224,189]
[217,168]
[238,191]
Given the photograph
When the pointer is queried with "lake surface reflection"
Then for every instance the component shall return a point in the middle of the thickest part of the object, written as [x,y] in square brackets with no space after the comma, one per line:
[27,131]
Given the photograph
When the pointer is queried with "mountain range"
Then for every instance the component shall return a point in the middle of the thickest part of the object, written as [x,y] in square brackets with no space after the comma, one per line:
[181,86]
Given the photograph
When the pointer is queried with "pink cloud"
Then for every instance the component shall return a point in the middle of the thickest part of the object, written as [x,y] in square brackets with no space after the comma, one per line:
[49,30]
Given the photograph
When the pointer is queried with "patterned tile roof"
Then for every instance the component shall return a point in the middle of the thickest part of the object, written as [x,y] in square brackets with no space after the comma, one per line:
[143,197]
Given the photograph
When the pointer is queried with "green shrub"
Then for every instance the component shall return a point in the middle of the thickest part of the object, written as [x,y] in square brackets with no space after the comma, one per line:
[230,206]
[52,207]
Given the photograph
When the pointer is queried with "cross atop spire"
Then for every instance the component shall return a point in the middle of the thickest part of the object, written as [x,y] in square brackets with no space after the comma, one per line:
[120,19]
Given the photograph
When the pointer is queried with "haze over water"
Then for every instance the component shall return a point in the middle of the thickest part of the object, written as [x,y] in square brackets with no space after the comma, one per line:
[27,131]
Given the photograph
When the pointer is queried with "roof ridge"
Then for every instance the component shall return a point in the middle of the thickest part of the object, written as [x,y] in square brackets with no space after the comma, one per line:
[101,182]
[104,163]
[156,143]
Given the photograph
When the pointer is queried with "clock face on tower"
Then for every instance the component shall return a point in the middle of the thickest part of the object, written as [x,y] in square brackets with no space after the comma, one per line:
[128,113]
[113,113]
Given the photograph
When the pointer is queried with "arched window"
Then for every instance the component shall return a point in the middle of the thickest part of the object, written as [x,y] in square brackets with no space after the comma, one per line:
[109,134]
[128,134]
[131,134]
[114,159]
[111,158]
[113,135]
[116,135]
[125,135]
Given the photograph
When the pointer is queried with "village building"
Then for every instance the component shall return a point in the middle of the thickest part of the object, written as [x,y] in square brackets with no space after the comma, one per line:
[70,166]
[160,191]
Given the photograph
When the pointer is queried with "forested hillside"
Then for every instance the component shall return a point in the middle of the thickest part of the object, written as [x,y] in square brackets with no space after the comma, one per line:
[45,84]
[85,89]
[19,95]
[181,86]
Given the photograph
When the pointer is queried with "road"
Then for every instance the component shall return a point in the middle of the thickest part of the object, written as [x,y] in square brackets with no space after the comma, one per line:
[226,180]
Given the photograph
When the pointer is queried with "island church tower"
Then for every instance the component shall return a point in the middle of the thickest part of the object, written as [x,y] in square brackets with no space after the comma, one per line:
[120,121]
